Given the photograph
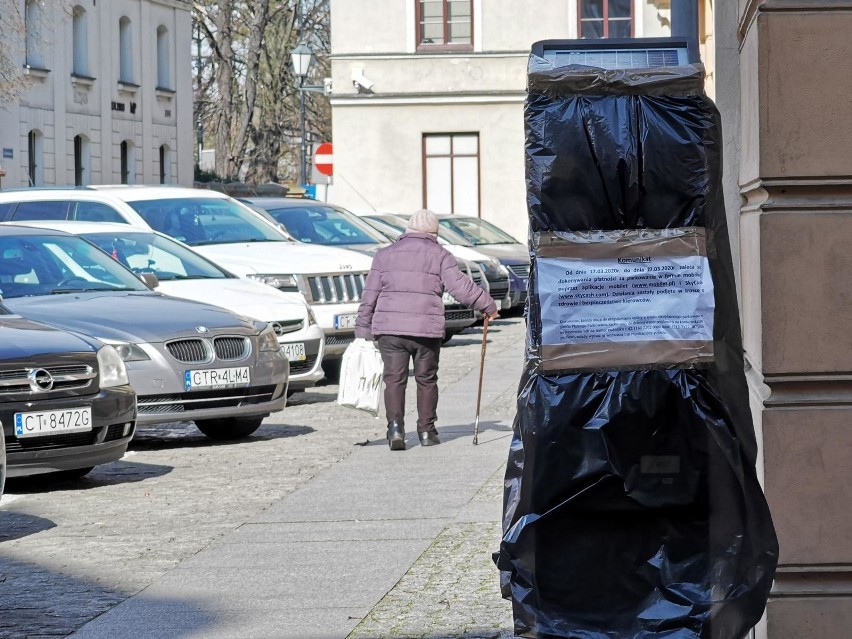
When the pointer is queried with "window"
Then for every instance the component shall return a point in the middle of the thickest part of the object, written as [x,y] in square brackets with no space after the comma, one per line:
[451,173]
[444,24]
[127,162]
[95,212]
[163,79]
[81,160]
[35,155]
[125,51]
[48,210]
[165,164]
[606,19]
[33,25]
[80,37]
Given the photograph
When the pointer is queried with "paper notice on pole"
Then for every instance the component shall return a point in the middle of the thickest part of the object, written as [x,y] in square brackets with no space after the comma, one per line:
[625,302]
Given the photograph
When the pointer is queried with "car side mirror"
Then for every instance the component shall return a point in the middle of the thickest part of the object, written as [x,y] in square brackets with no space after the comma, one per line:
[150,279]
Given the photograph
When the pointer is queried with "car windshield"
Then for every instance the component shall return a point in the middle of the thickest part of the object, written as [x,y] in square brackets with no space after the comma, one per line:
[323,225]
[151,253]
[400,223]
[206,220]
[53,264]
[477,231]
[391,232]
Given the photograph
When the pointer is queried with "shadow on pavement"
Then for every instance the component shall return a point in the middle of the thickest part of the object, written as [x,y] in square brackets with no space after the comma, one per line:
[448,434]
[118,472]
[186,435]
[39,602]
[14,525]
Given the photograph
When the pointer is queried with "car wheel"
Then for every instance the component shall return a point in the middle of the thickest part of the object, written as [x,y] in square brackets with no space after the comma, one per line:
[332,370]
[230,428]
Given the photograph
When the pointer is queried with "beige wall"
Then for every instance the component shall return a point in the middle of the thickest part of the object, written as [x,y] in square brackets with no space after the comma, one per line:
[378,157]
[788,140]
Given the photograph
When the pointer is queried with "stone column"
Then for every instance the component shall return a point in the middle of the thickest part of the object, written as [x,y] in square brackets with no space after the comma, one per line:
[795,174]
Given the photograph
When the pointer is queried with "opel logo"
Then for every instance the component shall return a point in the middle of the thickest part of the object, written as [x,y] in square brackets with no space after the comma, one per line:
[201,329]
[276,326]
[40,380]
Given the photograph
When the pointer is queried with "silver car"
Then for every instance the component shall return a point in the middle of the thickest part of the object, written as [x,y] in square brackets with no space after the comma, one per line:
[186,360]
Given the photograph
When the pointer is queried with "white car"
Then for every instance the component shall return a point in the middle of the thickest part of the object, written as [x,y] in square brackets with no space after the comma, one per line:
[180,272]
[225,231]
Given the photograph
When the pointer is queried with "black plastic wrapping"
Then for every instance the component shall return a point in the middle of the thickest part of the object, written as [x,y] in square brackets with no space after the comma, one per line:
[598,543]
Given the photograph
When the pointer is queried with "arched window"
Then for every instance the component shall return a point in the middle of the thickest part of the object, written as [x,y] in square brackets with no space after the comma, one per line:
[125,51]
[128,162]
[34,27]
[35,157]
[163,63]
[80,36]
[82,160]
[165,164]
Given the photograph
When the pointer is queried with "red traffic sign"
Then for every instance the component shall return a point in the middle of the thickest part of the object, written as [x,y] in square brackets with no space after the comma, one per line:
[324,159]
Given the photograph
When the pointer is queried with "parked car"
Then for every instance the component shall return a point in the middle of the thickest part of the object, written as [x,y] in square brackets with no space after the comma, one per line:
[496,275]
[183,273]
[2,461]
[491,240]
[315,222]
[66,404]
[186,360]
[223,230]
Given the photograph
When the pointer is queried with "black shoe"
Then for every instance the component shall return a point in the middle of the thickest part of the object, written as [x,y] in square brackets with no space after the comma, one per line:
[429,438]
[396,436]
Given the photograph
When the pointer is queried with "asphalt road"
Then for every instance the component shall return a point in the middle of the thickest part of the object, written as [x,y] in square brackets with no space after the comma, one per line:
[71,551]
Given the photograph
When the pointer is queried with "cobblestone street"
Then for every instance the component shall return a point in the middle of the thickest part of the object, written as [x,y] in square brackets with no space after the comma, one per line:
[72,551]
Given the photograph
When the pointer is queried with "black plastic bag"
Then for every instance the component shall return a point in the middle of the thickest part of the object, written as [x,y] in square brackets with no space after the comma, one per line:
[632,508]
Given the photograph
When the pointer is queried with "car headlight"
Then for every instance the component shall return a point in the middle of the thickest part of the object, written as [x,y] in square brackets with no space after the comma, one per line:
[128,351]
[268,340]
[111,368]
[286,283]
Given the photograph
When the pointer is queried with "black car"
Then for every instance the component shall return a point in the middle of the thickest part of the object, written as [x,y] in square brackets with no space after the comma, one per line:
[66,404]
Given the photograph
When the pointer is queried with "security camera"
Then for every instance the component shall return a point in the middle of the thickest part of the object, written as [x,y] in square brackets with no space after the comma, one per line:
[362,82]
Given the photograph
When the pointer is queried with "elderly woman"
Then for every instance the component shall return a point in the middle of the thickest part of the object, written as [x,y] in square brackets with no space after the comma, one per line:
[403,311]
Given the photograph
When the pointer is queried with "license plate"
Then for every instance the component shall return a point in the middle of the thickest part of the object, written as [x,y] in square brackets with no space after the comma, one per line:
[217,378]
[294,352]
[51,422]
[345,321]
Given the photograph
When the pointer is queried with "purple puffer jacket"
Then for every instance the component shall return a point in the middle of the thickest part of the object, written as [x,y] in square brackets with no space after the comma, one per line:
[403,293]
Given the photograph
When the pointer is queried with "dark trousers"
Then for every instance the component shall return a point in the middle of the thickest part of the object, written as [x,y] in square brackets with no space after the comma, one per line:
[396,352]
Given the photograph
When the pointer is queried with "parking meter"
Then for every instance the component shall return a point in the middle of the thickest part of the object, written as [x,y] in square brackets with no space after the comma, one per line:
[632,507]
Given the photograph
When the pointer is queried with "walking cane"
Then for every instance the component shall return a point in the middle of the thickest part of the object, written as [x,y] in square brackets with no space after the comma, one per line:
[481,370]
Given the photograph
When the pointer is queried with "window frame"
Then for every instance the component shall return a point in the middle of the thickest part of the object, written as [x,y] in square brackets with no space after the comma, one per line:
[80,42]
[452,155]
[35,157]
[445,46]
[605,19]
[126,61]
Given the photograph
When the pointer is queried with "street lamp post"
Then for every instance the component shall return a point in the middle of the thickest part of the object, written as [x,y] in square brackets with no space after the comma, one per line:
[301,57]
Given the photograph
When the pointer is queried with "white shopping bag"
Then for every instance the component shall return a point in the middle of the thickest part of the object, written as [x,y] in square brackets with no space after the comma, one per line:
[361,377]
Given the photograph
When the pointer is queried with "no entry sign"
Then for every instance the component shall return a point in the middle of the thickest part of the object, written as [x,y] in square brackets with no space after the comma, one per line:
[324,159]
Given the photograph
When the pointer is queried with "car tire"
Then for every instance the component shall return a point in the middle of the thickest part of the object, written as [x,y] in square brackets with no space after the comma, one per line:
[229,428]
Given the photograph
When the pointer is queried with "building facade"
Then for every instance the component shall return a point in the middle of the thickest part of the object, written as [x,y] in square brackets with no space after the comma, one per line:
[109,96]
[784,86]
[427,100]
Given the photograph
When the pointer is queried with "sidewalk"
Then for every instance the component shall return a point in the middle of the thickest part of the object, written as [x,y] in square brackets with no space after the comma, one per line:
[380,545]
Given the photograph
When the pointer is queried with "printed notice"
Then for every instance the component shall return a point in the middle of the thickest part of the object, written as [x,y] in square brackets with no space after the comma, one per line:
[628,299]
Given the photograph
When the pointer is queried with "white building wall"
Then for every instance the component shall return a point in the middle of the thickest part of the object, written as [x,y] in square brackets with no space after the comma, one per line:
[62,106]
[377,136]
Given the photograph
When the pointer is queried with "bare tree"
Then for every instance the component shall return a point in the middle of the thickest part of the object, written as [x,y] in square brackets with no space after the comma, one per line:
[247,94]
